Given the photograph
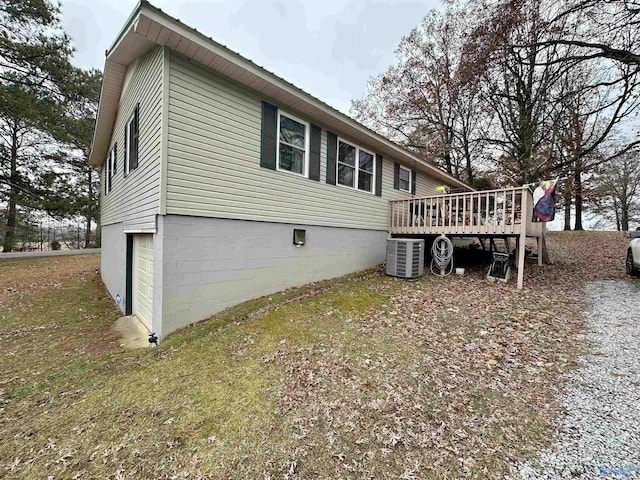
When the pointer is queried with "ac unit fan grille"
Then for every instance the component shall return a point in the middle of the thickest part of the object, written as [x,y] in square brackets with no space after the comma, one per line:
[415,264]
[401,255]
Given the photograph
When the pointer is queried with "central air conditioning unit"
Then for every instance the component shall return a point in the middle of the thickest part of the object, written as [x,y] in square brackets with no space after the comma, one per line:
[405,257]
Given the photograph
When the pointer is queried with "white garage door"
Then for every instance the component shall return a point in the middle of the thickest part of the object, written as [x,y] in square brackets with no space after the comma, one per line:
[143,278]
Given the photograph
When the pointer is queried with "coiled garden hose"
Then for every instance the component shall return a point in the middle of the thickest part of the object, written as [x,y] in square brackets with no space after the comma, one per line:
[442,256]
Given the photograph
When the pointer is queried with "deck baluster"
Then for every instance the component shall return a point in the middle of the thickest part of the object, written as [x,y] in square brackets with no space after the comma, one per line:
[483,213]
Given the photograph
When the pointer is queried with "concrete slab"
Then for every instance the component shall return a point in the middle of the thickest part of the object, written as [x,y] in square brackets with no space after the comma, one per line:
[133,333]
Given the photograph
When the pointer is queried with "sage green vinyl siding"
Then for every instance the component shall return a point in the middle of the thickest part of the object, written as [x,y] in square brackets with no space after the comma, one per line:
[425,185]
[135,199]
[214,162]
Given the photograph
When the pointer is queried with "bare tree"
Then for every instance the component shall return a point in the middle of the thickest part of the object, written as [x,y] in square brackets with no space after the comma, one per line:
[421,103]
[515,90]
[595,109]
[565,80]
[600,29]
[618,186]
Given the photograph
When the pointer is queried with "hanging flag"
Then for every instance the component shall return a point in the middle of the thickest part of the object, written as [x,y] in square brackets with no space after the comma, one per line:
[544,201]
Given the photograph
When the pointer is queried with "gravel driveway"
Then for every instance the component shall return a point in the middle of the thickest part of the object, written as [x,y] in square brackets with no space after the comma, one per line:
[600,433]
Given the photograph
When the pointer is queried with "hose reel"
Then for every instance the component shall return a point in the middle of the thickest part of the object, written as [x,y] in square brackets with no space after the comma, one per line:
[442,256]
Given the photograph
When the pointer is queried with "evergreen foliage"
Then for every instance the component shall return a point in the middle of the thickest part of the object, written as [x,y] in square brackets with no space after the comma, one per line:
[47,111]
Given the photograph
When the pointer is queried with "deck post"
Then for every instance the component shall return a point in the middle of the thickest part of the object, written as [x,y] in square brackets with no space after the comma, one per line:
[521,254]
[524,220]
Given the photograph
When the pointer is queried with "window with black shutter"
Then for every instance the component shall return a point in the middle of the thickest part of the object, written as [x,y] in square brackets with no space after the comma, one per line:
[404,179]
[110,169]
[355,167]
[289,143]
[131,141]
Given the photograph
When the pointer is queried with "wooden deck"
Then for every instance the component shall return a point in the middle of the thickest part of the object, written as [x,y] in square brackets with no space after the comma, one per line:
[503,213]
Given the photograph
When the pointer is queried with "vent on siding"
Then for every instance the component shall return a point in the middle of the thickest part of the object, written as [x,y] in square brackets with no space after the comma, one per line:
[405,257]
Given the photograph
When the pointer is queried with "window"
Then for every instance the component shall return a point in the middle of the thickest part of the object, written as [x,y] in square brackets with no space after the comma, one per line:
[131,135]
[293,144]
[107,174]
[404,179]
[110,169]
[105,171]
[114,163]
[355,167]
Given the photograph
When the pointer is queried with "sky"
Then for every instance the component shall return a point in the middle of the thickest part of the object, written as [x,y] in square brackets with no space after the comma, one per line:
[328,48]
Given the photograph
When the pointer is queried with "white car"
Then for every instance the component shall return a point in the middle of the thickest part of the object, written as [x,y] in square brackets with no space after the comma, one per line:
[633,254]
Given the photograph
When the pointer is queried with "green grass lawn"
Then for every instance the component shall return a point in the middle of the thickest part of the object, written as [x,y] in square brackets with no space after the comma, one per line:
[359,377]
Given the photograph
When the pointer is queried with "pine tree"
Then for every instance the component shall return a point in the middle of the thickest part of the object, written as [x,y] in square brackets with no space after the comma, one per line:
[44,102]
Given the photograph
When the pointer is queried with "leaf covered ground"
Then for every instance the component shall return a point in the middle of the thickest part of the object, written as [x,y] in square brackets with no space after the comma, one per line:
[360,377]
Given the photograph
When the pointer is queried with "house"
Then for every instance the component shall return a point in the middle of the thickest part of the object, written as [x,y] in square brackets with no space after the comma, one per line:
[222,182]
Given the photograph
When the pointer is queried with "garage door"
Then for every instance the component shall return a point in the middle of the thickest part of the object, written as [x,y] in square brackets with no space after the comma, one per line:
[143,278]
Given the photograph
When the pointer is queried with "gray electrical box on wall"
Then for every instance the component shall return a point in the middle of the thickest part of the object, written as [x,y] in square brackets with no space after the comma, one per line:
[405,257]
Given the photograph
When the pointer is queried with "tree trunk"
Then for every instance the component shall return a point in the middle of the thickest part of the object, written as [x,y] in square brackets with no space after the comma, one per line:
[617,213]
[577,186]
[468,166]
[567,205]
[624,214]
[469,169]
[545,250]
[567,212]
[448,164]
[13,192]
[87,236]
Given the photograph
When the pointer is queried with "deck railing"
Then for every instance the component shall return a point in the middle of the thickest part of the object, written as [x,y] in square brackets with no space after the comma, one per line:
[490,212]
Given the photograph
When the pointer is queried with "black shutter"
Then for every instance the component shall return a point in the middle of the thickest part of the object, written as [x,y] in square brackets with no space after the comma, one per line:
[413,182]
[332,156]
[378,175]
[126,164]
[314,154]
[135,137]
[115,157]
[396,176]
[269,136]
[104,175]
